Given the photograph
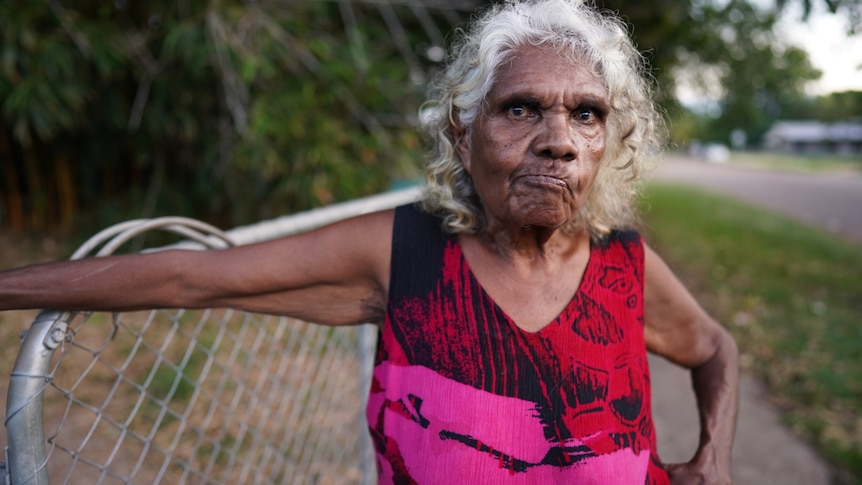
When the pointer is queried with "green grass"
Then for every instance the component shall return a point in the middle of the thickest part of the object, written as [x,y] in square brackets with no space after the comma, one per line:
[173,381]
[790,294]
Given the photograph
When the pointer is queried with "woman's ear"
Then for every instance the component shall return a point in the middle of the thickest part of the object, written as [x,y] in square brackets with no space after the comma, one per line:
[461,142]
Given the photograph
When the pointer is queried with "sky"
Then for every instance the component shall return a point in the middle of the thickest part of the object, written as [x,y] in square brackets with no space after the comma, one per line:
[825,38]
[823,35]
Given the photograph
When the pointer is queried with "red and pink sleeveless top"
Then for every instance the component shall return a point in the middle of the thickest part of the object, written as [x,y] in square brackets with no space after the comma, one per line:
[460,394]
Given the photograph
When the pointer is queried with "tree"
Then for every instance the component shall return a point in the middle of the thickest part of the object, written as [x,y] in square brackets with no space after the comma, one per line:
[224,111]
[851,9]
[729,50]
[759,75]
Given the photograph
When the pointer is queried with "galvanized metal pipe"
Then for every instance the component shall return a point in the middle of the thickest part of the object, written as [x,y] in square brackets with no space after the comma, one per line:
[30,376]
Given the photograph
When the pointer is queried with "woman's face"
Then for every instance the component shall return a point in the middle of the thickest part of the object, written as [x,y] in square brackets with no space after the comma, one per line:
[534,149]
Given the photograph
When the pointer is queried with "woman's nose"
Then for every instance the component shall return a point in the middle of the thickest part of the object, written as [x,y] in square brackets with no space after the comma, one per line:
[556,138]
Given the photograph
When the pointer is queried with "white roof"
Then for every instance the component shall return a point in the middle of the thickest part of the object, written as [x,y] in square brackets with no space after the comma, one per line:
[815,131]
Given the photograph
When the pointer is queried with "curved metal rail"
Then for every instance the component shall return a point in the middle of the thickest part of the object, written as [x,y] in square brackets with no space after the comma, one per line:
[26,453]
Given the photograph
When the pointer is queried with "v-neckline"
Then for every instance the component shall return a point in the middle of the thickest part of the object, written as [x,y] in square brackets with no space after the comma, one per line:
[588,268]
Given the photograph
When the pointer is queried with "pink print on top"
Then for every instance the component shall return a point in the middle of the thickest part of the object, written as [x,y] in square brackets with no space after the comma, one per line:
[438,440]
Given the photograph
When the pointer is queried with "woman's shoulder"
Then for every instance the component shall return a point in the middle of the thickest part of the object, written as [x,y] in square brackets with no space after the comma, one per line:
[412,221]
[619,237]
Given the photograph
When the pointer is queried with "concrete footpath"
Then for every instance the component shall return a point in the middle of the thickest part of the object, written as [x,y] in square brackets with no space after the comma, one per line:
[765,452]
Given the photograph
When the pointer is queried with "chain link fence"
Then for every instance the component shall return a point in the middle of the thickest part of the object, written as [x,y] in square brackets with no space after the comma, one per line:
[179,396]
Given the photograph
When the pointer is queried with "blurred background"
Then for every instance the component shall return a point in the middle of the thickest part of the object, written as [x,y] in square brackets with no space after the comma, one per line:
[236,111]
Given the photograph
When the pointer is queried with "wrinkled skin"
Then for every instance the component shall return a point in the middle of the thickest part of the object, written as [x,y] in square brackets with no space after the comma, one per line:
[534,150]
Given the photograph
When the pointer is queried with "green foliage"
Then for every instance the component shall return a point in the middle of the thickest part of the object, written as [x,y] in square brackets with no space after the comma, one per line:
[790,296]
[687,125]
[222,111]
[728,50]
[840,106]
[850,9]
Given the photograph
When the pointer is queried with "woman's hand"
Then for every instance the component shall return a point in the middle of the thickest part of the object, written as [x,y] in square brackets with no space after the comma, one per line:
[697,473]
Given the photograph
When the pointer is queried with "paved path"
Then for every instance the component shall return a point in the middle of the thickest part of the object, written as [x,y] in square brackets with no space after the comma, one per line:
[765,452]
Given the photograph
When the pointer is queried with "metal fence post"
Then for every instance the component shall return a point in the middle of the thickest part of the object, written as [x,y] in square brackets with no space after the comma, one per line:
[26,452]
[367,349]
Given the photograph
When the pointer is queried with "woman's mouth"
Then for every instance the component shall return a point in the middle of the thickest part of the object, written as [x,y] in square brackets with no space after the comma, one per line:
[545,181]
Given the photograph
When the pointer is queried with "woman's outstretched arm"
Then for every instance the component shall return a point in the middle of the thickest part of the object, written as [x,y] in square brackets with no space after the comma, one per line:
[334,275]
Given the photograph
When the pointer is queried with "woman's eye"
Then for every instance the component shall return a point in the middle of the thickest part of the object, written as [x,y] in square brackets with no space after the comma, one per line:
[585,115]
[518,111]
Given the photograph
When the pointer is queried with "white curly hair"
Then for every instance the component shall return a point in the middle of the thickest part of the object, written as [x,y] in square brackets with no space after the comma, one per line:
[577,30]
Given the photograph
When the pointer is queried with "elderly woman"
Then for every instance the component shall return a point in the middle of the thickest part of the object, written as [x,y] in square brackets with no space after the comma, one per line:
[515,302]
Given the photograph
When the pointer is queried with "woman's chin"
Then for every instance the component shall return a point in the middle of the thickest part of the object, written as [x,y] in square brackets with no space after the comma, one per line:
[550,211]
[547,219]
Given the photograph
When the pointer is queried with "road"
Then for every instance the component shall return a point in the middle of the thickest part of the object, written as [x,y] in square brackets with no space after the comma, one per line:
[765,452]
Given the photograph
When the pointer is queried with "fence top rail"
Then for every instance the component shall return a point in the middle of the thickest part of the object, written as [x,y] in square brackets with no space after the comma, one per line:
[314,218]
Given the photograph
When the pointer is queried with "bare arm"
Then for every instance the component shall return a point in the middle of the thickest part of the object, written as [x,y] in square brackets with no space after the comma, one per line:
[680,330]
[335,275]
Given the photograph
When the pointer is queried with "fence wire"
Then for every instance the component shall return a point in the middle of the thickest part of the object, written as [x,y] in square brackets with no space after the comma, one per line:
[203,397]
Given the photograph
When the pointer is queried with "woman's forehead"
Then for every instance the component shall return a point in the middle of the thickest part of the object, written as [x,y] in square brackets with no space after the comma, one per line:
[542,70]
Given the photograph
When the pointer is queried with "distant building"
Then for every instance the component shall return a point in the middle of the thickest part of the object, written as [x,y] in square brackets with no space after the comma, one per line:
[815,138]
